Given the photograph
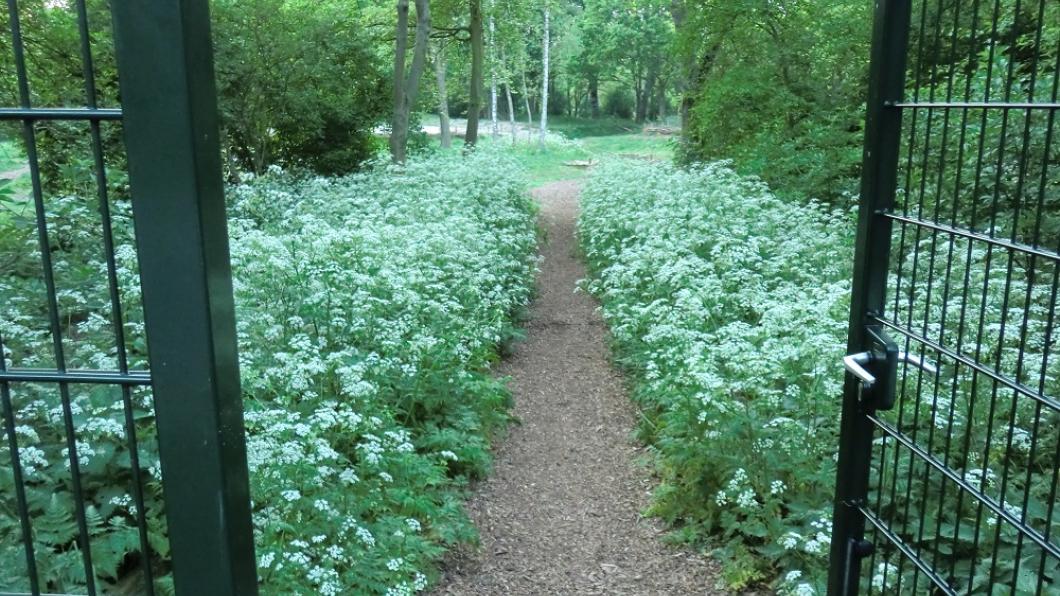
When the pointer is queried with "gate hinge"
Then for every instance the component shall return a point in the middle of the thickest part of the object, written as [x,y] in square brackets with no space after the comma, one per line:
[861,548]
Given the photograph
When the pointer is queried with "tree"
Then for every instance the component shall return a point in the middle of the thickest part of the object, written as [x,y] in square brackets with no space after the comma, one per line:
[474,104]
[299,84]
[544,76]
[493,77]
[802,64]
[406,85]
[446,134]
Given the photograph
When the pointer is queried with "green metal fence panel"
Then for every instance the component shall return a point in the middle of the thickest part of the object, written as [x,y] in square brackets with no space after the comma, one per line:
[949,455]
[168,120]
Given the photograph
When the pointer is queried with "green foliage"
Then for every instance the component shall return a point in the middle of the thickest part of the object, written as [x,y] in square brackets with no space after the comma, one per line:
[299,83]
[728,307]
[618,102]
[369,309]
[778,87]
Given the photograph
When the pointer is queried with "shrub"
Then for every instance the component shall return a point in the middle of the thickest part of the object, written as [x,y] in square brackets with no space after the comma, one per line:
[729,308]
[368,311]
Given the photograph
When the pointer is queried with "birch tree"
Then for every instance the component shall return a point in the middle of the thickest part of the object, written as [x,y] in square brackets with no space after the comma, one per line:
[443,96]
[544,77]
[474,103]
[492,40]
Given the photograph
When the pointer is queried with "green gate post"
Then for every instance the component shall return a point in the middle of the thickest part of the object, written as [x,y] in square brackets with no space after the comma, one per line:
[165,65]
[883,125]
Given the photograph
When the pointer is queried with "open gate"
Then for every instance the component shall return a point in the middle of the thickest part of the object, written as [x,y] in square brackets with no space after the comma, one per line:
[176,382]
[950,438]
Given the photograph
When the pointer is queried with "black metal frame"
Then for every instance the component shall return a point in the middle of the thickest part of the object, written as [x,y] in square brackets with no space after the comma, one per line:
[169,116]
[955,203]
[871,259]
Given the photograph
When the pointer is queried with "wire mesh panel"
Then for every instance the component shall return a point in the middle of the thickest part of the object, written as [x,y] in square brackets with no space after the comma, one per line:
[90,427]
[960,259]
[78,464]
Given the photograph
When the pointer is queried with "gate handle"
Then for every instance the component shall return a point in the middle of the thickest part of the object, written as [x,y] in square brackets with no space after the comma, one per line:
[855,365]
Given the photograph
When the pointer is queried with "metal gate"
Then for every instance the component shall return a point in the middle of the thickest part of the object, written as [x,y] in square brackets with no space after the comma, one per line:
[949,448]
[70,529]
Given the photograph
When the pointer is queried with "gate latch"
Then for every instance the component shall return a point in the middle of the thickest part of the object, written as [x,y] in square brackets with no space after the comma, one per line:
[877,368]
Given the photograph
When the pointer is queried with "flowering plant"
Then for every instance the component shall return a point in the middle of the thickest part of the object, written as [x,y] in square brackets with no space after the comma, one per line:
[729,309]
[369,309]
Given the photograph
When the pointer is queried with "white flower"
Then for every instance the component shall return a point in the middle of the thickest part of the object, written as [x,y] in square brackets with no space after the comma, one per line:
[789,540]
[365,536]
[814,547]
[348,477]
[32,460]
[291,495]
[885,574]
[746,499]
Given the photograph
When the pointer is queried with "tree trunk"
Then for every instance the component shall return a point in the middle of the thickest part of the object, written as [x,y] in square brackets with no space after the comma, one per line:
[544,79]
[493,80]
[443,98]
[511,113]
[474,97]
[645,89]
[660,102]
[649,95]
[508,93]
[526,99]
[407,86]
[399,125]
[594,96]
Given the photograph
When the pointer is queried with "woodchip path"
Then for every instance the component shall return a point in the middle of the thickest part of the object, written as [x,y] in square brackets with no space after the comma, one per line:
[561,513]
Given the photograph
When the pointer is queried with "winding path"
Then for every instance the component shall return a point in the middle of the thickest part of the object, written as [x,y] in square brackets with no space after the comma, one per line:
[561,512]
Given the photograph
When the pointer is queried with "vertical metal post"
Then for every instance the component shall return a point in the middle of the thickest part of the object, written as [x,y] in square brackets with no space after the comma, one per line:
[165,61]
[883,125]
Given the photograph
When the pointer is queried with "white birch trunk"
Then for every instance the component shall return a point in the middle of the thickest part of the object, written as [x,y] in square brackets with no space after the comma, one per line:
[544,79]
[511,112]
[493,79]
[443,97]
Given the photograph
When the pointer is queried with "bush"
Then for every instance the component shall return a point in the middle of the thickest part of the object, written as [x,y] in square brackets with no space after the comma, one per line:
[369,309]
[618,102]
[298,85]
[729,308]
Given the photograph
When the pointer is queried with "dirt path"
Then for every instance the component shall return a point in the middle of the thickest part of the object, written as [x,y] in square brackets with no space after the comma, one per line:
[561,512]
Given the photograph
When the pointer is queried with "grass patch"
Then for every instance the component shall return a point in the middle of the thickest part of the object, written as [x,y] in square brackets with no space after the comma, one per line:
[569,140]
[655,147]
[580,128]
